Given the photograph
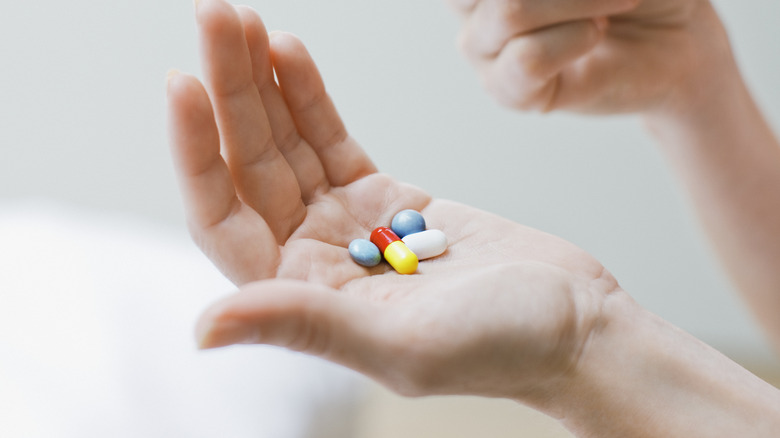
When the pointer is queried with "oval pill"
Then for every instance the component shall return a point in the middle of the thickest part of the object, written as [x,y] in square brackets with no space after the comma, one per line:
[426,244]
[407,222]
[364,253]
[395,251]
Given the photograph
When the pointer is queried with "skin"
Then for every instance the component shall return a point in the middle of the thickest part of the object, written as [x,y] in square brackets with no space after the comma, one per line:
[275,189]
[670,62]
[294,241]
[590,56]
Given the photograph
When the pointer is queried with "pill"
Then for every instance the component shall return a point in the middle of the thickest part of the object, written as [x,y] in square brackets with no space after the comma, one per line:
[403,260]
[364,253]
[407,222]
[426,244]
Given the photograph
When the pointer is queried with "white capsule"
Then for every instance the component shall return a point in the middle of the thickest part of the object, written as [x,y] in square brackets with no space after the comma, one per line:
[426,244]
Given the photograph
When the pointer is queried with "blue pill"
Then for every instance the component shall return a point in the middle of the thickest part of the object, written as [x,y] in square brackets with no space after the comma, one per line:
[364,253]
[407,222]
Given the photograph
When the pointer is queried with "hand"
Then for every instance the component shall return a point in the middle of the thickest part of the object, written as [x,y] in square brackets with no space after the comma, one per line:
[593,56]
[270,195]
[507,306]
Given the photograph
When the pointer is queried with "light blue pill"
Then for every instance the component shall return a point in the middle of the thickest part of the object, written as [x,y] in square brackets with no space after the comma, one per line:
[364,253]
[407,222]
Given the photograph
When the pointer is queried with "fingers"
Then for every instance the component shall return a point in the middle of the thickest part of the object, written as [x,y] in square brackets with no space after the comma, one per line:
[206,186]
[299,155]
[526,51]
[527,72]
[491,24]
[300,316]
[314,114]
[218,221]
[262,177]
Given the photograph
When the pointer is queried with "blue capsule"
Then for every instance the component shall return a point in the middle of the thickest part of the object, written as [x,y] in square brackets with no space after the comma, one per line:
[364,253]
[407,222]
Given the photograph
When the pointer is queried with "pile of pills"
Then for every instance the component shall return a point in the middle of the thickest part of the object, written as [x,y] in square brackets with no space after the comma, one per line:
[403,244]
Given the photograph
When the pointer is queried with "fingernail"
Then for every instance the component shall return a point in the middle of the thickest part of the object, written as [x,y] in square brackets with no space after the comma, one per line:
[197,4]
[171,73]
[224,333]
[274,34]
[169,76]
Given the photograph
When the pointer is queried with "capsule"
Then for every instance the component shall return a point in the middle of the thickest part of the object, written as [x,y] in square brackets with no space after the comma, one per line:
[426,244]
[403,260]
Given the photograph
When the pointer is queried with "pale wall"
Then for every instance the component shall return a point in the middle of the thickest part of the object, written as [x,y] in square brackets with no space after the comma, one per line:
[82,120]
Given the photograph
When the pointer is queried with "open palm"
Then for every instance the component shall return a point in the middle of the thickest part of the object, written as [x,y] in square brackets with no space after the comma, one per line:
[275,190]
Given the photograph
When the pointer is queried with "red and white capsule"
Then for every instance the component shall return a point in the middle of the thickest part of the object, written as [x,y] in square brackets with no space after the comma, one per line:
[394,250]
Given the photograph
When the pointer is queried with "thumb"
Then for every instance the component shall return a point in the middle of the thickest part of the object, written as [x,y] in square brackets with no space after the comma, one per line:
[300,316]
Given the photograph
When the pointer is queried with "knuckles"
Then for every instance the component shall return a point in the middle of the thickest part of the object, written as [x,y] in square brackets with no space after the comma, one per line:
[521,92]
[491,24]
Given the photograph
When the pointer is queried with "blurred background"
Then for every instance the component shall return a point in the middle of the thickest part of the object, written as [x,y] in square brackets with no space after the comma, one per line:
[82,131]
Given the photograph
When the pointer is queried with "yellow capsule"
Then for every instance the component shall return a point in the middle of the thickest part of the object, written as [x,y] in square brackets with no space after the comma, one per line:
[401,258]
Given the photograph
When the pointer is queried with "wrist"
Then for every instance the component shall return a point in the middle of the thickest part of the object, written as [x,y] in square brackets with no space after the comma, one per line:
[709,78]
[639,376]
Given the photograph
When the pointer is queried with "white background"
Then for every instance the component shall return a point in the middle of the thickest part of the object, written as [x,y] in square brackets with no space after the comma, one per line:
[82,120]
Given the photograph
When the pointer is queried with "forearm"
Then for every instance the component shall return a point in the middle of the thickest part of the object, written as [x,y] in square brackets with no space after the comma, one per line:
[639,376]
[728,159]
